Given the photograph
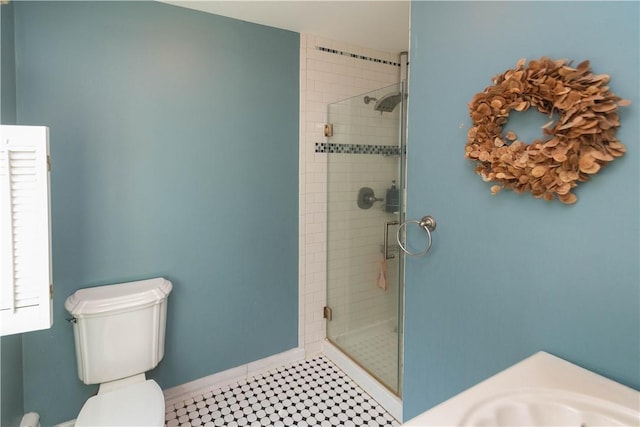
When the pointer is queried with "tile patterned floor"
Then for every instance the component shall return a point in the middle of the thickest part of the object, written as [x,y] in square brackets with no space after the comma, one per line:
[307,393]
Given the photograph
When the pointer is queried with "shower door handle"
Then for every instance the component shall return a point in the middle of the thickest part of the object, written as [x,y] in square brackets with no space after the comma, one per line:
[386,238]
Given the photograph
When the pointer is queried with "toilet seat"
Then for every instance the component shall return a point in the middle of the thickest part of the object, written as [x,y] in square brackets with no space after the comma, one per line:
[139,404]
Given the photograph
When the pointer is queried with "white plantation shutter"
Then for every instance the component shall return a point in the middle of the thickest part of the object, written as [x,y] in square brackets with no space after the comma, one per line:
[25,268]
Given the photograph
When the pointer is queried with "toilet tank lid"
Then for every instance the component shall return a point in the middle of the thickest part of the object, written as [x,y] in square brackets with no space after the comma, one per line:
[113,298]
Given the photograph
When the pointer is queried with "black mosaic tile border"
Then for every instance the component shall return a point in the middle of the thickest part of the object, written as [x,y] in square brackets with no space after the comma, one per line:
[356,56]
[388,150]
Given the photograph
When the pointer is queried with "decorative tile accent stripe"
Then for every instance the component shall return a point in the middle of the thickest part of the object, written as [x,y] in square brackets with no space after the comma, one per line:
[388,150]
[356,56]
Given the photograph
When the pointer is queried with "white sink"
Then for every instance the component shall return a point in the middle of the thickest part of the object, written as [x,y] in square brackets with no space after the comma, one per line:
[542,390]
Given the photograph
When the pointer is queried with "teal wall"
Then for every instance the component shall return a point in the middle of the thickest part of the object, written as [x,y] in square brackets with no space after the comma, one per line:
[511,275]
[11,387]
[174,138]
[7,61]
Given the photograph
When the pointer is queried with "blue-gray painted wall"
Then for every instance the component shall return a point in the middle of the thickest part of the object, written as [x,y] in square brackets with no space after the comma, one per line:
[7,62]
[173,138]
[510,275]
[11,387]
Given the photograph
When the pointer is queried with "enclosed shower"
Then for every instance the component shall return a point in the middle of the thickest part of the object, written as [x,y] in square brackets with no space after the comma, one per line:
[365,204]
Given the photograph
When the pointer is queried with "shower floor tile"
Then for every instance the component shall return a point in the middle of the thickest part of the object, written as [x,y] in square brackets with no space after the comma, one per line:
[376,349]
[310,392]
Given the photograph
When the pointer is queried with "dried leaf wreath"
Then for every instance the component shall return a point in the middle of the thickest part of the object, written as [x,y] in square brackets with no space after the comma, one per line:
[582,140]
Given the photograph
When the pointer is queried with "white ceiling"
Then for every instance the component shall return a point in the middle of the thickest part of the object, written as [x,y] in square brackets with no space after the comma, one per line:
[382,25]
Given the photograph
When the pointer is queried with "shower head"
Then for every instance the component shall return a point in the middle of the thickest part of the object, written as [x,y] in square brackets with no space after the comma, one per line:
[388,102]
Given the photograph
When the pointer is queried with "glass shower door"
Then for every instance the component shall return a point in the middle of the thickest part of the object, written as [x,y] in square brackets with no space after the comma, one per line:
[364,207]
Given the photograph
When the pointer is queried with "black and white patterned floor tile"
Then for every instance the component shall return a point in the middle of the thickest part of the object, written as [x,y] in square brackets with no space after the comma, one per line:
[307,393]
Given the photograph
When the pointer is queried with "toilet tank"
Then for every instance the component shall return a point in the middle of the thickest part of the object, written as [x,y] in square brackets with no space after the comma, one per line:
[119,329]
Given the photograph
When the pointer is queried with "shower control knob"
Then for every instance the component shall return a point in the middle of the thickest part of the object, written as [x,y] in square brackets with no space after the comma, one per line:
[366,198]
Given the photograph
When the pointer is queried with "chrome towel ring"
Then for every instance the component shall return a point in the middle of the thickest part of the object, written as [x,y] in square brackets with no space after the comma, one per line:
[428,224]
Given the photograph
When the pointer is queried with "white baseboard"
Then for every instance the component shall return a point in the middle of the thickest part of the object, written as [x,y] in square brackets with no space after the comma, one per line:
[388,400]
[179,393]
[379,393]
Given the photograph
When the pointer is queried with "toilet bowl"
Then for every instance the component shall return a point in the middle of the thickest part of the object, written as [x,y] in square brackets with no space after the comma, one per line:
[119,335]
[139,404]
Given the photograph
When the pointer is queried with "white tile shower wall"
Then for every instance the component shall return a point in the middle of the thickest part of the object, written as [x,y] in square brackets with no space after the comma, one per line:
[325,78]
[355,237]
[355,242]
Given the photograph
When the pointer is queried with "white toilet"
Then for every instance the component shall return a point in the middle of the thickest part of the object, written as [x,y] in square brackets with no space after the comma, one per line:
[119,335]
